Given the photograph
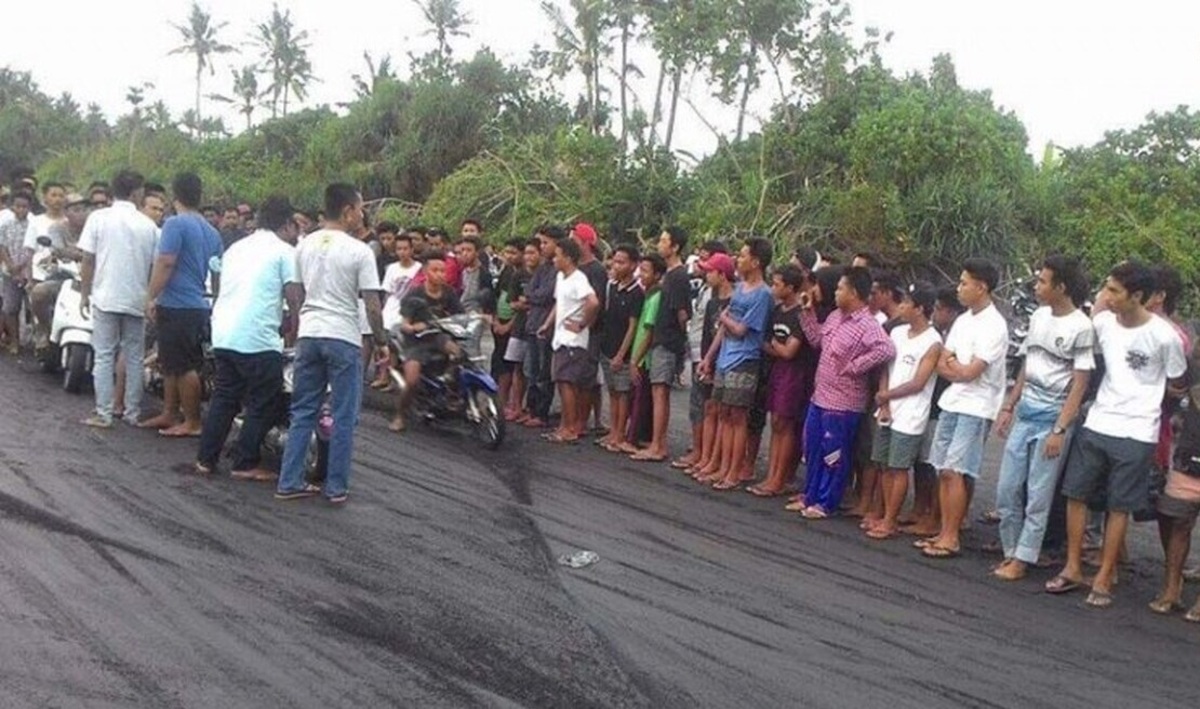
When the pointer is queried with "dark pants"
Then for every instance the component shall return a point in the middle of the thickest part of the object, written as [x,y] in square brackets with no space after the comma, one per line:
[537,374]
[252,381]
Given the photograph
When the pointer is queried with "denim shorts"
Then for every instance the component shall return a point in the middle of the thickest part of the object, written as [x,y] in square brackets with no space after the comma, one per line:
[958,443]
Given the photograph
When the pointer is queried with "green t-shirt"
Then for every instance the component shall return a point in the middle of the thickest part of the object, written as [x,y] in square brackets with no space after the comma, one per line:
[646,324]
[504,309]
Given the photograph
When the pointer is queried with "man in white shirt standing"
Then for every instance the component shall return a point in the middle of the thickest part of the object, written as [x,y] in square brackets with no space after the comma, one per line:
[258,274]
[1041,410]
[573,369]
[336,270]
[1142,353]
[118,245]
[973,361]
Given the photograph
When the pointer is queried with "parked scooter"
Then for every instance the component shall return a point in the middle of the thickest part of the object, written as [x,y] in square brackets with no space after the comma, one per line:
[456,390]
[70,345]
[316,456]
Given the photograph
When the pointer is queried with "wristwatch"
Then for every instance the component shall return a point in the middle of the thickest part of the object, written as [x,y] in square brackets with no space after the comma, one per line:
[1058,431]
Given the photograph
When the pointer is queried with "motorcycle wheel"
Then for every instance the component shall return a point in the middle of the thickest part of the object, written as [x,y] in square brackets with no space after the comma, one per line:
[316,461]
[50,362]
[490,425]
[75,368]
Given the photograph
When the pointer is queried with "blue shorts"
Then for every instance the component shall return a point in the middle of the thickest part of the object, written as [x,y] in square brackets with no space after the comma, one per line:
[958,443]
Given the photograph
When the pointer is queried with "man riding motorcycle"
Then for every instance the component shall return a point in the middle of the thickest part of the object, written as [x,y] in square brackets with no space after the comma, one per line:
[430,301]
[43,292]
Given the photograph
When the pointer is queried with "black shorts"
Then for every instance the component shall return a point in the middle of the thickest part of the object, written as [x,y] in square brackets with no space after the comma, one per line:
[573,365]
[181,334]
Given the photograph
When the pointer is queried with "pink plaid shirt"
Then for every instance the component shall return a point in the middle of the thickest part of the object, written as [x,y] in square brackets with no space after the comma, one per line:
[851,346]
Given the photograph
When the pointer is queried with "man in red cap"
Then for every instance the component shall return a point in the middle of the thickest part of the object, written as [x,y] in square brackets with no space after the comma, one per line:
[597,275]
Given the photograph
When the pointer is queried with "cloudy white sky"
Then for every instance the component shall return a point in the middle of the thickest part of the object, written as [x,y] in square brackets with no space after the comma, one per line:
[1071,69]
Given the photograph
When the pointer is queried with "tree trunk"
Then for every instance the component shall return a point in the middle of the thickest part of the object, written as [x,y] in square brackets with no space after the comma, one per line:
[676,80]
[624,90]
[199,74]
[656,115]
[286,89]
[747,86]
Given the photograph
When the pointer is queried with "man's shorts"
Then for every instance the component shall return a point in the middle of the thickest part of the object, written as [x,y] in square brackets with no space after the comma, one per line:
[1116,466]
[1180,498]
[699,395]
[573,365]
[738,387]
[516,350]
[958,443]
[11,295]
[894,450]
[664,364]
[181,332]
[620,381]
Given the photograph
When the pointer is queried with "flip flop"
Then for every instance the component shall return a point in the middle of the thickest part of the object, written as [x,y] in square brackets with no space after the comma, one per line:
[96,421]
[639,458]
[938,552]
[760,492]
[1193,616]
[1165,607]
[1061,584]
[1098,599]
[309,490]
[814,513]
[923,542]
[186,434]
[723,486]
[678,464]
[880,535]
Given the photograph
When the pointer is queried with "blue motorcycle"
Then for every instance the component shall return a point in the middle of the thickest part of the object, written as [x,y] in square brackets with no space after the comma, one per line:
[459,389]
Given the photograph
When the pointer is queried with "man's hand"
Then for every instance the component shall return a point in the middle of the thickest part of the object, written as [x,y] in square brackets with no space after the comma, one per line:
[85,305]
[616,364]
[573,325]
[151,310]
[705,369]
[1004,422]
[541,332]
[1054,445]
[885,414]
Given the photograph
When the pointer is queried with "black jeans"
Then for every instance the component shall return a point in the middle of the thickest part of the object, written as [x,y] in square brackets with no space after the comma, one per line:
[537,374]
[250,380]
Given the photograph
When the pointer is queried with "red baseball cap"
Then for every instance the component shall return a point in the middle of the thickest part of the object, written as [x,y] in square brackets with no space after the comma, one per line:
[719,262]
[586,234]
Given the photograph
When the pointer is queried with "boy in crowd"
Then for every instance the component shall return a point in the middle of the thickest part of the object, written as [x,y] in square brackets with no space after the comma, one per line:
[513,260]
[973,361]
[698,393]
[791,365]
[650,273]
[387,233]
[670,339]
[623,308]
[398,279]
[1142,353]
[719,274]
[519,343]
[1041,411]
[737,354]
[904,399]
[12,268]
[593,268]
[539,297]
[852,343]
[575,307]
[925,518]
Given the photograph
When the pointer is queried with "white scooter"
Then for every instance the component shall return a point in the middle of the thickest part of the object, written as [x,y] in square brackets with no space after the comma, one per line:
[70,347]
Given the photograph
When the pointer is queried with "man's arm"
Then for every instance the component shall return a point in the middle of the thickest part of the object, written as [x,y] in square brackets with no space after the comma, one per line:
[925,370]
[293,295]
[87,271]
[375,316]
[160,275]
[880,349]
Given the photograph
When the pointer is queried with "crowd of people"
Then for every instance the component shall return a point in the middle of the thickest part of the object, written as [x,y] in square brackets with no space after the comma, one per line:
[867,382]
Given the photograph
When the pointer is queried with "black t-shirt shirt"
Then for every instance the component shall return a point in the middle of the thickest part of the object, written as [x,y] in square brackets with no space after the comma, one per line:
[676,296]
[420,307]
[597,277]
[622,304]
[712,311]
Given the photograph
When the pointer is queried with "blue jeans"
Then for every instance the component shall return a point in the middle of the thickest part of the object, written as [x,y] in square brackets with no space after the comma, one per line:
[1025,492]
[323,363]
[113,332]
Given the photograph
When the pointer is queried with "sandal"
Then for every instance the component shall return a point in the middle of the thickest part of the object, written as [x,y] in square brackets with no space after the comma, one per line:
[933,551]
[1193,616]
[309,490]
[725,486]
[815,513]
[1162,606]
[1061,584]
[1098,599]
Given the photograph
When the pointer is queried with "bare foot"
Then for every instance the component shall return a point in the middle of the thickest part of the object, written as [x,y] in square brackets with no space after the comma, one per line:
[183,430]
[160,422]
[1014,570]
[255,475]
[397,425]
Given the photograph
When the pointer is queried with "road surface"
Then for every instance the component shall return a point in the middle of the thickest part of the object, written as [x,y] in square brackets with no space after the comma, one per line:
[125,580]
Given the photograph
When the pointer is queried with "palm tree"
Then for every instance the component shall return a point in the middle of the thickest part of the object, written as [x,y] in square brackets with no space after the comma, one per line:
[365,86]
[580,44]
[245,92]
[285,56]
[445,20]
[200,40]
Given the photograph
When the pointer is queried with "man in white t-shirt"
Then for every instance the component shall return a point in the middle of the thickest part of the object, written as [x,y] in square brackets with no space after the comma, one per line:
[575,308]
[1041,411]
[905,400]
[973,361]
[336,270]
[52,223]
[1113,453]
[118,245]
[398,279]
[258,275]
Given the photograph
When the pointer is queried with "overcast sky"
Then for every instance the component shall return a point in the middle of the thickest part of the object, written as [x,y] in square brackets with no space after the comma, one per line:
[1071,69]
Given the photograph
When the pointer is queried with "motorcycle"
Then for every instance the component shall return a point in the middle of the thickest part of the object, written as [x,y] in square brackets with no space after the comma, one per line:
[316,456]
[70,345]
[1021,304]
[455,390]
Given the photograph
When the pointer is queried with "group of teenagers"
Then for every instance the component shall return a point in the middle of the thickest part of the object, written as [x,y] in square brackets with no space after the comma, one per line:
[864,381]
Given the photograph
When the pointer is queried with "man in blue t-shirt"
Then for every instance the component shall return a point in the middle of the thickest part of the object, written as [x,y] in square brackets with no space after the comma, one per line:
[189,250]
[737,353]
